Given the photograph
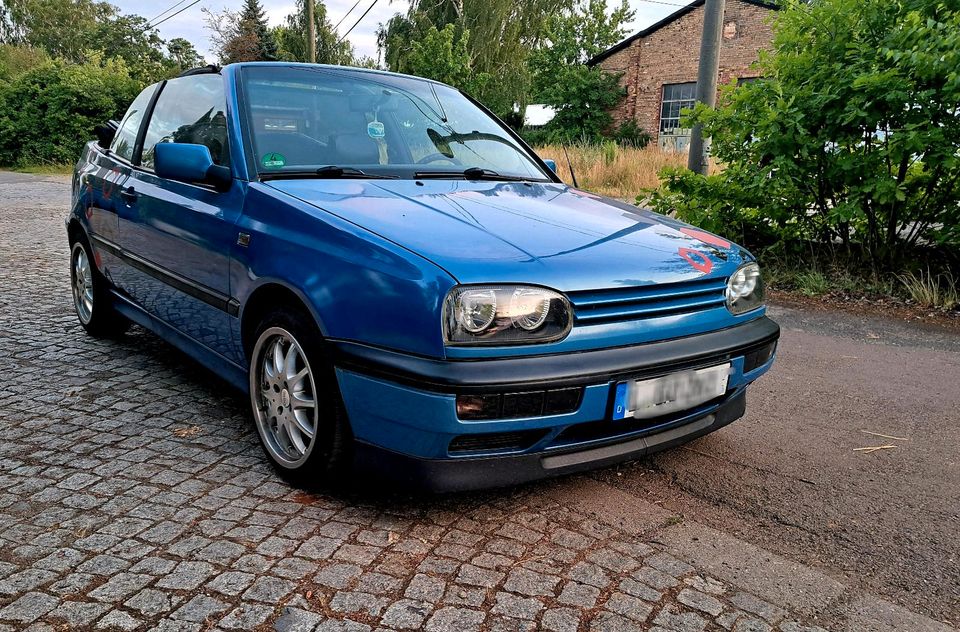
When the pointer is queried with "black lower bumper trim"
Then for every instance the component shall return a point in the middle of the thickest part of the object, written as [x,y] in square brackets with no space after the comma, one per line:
[462,474]
[557,370]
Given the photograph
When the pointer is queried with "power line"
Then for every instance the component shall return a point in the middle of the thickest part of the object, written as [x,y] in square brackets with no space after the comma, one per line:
[153,26]
[668,4]
[372,4]
[167,10]
[345,15]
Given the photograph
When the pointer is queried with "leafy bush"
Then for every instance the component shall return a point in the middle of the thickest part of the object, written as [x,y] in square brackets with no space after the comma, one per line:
[630,134]
[48,113]
[852,137]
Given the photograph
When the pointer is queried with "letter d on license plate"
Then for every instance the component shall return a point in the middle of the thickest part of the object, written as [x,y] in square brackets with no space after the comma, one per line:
[644,399]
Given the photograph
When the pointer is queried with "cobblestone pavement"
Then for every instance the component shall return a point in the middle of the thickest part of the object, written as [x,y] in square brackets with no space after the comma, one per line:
[134,495]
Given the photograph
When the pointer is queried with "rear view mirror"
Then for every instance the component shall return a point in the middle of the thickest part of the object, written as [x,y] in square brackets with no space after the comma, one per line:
[191,163]
[550,162]
[105,133]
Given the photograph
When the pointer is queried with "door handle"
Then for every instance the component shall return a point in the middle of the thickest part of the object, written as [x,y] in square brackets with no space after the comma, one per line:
[129,195]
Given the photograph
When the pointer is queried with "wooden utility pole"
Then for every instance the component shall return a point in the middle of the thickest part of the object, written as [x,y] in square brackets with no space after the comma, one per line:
[706,78]
[311,34]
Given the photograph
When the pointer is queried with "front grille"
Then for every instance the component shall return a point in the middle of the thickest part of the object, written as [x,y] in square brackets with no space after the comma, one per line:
[496,442]
[596,307]
[594,430]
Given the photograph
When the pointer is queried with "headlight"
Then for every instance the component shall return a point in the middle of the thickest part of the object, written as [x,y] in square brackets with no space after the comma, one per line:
[504,315]
[745,289]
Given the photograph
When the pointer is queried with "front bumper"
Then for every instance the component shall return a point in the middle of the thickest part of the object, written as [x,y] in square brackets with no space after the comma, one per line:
[402,408]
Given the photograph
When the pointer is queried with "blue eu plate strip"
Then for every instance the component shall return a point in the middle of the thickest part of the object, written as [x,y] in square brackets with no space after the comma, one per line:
[620,401]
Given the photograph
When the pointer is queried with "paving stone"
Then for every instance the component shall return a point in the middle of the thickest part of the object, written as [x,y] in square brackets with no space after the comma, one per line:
[337,575]
[681,621]
[406,614]
[757,606]
[561,620]
[269,589]
[580,595]
[655,578]
[518,607]
[79,614]
[187,576]
[452,619]
[231,583]
[476,576]
[669,564]
[628,606]
[199,609]
[118,620]
[700,601]
[120,586]
[296,620]
[527,582]
[351,601]
[747,624]
[151,602]
[29,607]
[610,622]
[246,617]
[425,588]
[638,589]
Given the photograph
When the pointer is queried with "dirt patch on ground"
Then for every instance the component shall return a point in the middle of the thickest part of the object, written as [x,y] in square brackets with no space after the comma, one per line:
[886,307]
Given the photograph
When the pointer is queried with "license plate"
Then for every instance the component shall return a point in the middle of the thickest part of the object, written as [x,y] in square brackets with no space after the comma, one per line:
[644,399]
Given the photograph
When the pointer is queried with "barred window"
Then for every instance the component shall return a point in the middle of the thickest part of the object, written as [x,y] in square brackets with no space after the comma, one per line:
[676,97]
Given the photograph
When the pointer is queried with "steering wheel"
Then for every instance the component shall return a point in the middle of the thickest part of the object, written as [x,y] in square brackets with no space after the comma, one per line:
[434,157]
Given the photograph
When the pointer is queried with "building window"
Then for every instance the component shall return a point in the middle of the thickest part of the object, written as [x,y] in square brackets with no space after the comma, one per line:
[676,97]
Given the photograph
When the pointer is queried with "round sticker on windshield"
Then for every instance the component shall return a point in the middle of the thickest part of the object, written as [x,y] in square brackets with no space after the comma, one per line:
[375,129]
[273,159]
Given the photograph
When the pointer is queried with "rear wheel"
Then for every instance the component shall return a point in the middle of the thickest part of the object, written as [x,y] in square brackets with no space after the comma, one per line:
[91,299]
[295,400]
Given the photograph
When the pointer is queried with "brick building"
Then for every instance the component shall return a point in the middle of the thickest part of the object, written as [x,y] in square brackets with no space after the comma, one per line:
[659,64]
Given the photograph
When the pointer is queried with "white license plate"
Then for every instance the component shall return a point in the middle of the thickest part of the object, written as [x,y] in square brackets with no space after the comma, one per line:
[643,399]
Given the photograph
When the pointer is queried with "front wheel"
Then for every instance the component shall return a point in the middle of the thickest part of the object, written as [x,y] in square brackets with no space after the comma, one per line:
[295,400]
[90,295]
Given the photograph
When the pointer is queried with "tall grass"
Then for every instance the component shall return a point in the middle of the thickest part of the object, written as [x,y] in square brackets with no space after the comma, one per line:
[927,290]
[608,169]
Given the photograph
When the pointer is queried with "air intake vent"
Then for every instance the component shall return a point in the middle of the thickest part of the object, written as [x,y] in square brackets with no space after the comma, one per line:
[496,442]
[595,307]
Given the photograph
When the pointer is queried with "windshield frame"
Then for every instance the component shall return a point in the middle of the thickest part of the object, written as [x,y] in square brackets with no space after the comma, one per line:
[404,172]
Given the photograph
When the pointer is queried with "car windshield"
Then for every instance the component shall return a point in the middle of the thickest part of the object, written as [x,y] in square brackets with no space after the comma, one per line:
[325,122]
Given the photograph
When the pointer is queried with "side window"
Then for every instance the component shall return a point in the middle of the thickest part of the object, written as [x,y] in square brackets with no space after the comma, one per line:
[190,110]
[126,136]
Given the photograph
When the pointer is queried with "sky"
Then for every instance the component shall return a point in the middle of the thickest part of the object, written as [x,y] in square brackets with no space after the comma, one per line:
[190,24]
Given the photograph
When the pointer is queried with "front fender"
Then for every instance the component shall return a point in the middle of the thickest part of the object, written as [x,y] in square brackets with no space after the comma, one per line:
[359,286]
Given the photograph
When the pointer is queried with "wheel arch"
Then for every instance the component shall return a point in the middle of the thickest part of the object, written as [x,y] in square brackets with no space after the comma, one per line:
[266,296]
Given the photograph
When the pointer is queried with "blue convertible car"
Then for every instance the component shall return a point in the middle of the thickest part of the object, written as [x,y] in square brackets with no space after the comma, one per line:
[401,284]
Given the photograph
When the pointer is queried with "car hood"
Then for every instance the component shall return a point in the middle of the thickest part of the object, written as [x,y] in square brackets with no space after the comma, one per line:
[542,233]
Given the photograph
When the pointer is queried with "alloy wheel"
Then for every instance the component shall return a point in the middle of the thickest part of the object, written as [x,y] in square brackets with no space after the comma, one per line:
[284,397]
[82,277]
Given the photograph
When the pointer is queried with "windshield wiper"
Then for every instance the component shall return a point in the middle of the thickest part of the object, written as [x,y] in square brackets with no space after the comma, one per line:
[473,173]
[330,171]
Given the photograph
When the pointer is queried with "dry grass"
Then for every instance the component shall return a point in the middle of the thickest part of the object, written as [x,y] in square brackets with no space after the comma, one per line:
[612,170]
[927,290]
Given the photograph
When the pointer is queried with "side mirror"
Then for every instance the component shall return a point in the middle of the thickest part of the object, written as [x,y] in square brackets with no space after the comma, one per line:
[187,162]
[551,163]
[105,133]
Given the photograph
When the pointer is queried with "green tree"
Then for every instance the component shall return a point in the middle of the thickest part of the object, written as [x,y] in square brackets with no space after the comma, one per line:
[501,35]
[292,37]
[16,60]
[183,54]
[48,113]
[253,25]
[852,137]
[442,55]
[581,95]
[73,29]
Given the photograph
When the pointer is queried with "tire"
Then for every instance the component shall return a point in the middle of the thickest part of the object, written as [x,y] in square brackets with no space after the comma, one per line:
[293,393]
[91,298]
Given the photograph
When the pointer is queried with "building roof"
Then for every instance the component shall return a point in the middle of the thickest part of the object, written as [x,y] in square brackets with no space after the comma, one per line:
[676,15]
